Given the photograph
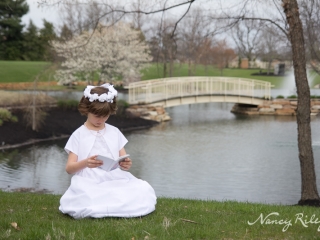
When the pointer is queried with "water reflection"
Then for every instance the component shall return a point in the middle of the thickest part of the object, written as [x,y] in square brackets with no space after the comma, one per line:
[205,152]
[38,166]
[222,156]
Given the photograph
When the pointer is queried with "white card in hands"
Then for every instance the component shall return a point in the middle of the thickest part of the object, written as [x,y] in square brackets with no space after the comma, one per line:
[110,164]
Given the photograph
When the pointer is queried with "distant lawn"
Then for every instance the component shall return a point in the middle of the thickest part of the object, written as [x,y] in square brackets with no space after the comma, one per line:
[23,71]
[181,70]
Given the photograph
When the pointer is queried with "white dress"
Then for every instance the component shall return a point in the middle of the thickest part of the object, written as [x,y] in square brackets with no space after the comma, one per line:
[96,193]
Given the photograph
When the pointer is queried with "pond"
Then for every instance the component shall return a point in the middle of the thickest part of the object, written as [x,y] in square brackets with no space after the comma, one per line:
[204,152]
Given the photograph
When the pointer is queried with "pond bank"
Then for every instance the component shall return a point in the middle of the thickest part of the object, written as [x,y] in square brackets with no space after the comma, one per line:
[148,112]
[283,107]
[56,125]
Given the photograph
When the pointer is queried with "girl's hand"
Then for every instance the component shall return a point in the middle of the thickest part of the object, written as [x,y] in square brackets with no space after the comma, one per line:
[92,162]
[126,164]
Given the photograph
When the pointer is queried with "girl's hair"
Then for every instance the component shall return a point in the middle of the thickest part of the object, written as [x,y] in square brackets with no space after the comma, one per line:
[100,109]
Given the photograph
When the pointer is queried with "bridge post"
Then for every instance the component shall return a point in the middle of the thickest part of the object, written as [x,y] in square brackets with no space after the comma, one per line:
[252,88]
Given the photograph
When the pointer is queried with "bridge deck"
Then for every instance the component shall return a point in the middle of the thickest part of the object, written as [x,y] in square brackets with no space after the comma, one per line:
[188,90]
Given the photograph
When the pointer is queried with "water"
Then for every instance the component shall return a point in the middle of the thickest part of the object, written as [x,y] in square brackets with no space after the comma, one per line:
[289,86]
[205,152]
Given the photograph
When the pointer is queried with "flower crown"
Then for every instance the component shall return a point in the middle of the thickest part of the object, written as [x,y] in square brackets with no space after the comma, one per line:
[105,97]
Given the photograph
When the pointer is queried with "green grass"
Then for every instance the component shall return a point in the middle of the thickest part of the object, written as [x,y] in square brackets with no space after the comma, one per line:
[37,217]
[23,71]
[156,71]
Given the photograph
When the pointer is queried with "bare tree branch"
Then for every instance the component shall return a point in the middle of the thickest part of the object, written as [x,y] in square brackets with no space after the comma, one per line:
[176,24]
[243,18]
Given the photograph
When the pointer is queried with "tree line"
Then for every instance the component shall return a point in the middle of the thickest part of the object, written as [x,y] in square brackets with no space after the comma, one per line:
[199,34]
[199,39]
[20,42]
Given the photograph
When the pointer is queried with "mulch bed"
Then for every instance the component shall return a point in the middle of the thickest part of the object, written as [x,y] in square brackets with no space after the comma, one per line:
[58,124]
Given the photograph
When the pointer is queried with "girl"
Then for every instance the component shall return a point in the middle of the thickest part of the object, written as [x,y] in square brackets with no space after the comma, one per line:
[95,192]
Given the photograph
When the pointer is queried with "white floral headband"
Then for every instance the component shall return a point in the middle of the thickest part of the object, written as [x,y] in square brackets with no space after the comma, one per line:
[105,97]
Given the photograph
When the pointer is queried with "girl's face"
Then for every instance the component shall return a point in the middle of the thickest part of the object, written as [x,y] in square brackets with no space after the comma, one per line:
[95,121]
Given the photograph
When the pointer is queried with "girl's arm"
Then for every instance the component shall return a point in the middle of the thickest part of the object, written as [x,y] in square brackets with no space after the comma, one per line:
[126,164]
[74,166]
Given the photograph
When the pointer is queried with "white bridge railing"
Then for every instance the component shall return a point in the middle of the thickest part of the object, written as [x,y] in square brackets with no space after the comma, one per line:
[151,91]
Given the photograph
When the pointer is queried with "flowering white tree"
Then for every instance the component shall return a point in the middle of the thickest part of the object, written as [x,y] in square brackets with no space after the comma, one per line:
[112,52]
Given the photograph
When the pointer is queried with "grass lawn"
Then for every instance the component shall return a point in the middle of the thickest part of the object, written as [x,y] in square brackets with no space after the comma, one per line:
[22,71]
[36,216]
[155,71]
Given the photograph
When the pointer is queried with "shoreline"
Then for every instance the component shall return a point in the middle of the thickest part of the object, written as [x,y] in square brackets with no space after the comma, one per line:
[33,141]
[58,124]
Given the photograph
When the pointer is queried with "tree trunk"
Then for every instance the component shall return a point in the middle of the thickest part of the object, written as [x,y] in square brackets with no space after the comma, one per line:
[164,69]
[189,67]
[269,66]
[34,122]
[171,66]
[309,192]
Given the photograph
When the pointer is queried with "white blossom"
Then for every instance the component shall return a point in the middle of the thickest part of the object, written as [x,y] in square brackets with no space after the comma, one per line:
[112,52]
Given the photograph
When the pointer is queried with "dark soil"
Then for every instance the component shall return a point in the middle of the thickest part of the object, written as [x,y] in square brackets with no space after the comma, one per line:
[58,124]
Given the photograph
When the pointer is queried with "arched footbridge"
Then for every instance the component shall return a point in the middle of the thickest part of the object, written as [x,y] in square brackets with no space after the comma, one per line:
[189,90]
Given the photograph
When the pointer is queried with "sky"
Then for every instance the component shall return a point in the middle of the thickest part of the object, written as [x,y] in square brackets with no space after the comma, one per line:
[37,14]
[51,14]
